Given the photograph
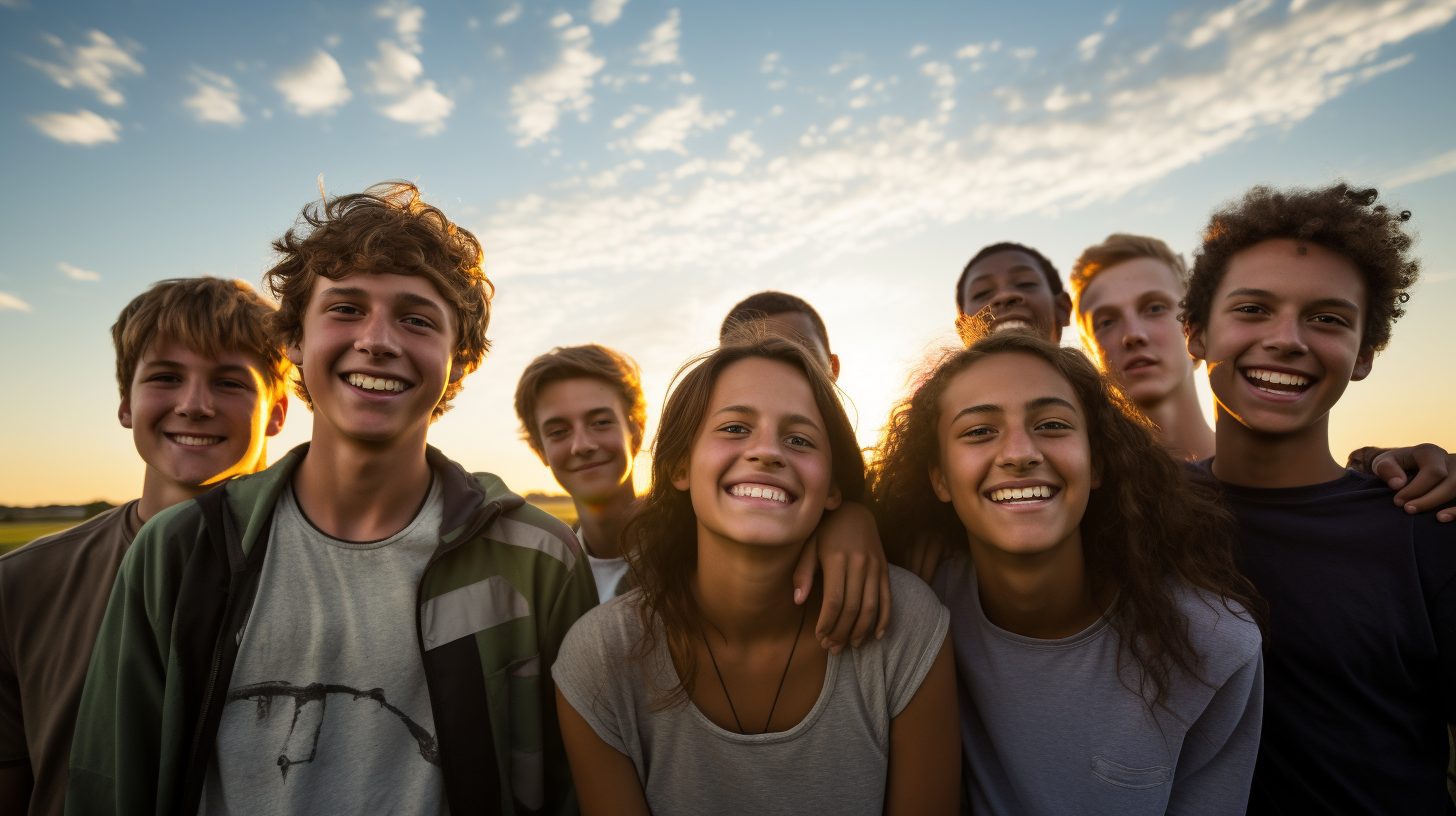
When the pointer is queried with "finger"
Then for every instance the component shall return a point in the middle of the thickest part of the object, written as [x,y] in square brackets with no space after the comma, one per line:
[1440,493]
[854,582]
[1389,470]
[885,606]
[804,572]
[1448,514]
[833,578]
[869,605]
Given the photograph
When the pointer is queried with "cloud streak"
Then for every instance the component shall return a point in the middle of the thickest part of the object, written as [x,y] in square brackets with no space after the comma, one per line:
[12,303]
[97,65]
[660,47]
[1428,169]
[84,127]
[215,99]
[540,100]
[77,273]
[398,73]
[315,86]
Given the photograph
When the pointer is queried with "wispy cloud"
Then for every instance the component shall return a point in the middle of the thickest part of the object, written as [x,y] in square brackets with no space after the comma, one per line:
[606,12]
[97,65]
[315,86]
[77,273]
[84,127]
[216,98]
[15,4]
[865,185]
[510,15]
[669,129]
[1428,169]
[398,73]
[13,303]
[540,100]
[660,47]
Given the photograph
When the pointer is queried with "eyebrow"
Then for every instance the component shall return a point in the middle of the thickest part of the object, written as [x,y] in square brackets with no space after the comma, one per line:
[791,419]
[1039,402]
[1017,268]
[221,369]
[405,297]
[1265,293]
[594,412]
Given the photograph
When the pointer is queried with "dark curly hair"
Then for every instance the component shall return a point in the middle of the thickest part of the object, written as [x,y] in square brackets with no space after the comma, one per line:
[1130,546]
[661,534]
[385,229]
[1339,218]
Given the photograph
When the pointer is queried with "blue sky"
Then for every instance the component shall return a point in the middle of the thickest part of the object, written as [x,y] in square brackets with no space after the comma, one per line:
[634,168]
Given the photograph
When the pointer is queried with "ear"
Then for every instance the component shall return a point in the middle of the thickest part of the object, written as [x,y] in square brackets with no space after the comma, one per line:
[276,415]
[123,414]
[457,371]
[295,355]
[834,366]
[937,481]
[680,480]
[1063,308]
[1193,333]
[835,498]
[1363,363]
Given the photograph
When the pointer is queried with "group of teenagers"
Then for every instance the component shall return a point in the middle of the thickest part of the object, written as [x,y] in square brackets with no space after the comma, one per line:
[1052,587]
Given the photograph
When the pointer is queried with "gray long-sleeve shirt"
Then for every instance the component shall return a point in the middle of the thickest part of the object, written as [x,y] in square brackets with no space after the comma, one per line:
[1048,726]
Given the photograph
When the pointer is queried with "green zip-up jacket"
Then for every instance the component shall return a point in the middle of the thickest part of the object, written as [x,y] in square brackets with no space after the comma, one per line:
[504,585]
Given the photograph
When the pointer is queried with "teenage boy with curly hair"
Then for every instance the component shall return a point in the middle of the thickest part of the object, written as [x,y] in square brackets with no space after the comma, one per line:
[202,388]
[364,626]
[1292,295]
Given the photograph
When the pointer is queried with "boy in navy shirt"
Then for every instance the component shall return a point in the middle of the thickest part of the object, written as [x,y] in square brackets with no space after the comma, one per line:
[1291,296]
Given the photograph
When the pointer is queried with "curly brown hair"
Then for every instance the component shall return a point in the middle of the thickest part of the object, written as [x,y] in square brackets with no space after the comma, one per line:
[385,229]
[1129,547]
[662,532]
[1339,218]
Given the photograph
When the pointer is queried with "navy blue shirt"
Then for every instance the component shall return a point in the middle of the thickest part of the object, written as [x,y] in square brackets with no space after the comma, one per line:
[1360,668]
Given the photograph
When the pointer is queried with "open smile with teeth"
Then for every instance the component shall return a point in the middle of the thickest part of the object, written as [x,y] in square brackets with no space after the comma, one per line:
[1017,495]
[194,441]
[369,383]
[756,491]
[1276,382]
[1014,324]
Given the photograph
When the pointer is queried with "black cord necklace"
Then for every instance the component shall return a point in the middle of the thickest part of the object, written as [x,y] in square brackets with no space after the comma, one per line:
[802,617]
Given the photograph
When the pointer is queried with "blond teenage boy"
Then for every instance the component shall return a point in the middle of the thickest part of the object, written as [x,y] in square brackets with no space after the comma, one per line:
[364,626]
[202,388]
[582,411]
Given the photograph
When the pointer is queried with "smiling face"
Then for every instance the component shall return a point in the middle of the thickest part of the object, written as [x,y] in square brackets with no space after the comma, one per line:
[1015,460]
[1128,313]
[760,472]
[586,438]
[1283,338]
[375,355]
[1013,287]
[197,420]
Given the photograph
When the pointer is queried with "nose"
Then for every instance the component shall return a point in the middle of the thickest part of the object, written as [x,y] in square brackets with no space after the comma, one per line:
[765,449]
[1005,298]
[377,337]
[582,443]
[1134,333]
[1019,450]
[1285,336]
[196,401]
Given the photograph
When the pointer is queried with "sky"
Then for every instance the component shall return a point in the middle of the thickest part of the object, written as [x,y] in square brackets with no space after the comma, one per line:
[633,168]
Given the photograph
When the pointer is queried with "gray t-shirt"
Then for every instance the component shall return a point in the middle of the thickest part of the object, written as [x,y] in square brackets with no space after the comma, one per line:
[1048,727]
[833,762]
[327,711]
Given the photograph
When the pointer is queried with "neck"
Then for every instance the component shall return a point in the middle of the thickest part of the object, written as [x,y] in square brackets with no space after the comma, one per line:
[160,492]
[747,592]
[361,491]
[1181,426]
[601,522]
[1045,595]
[1252,459]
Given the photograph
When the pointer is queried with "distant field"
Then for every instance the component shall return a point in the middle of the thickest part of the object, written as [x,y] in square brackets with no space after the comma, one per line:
[15,533]
[558,506]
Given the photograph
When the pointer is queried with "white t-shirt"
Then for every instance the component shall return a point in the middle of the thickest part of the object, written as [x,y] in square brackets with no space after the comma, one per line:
[608,572]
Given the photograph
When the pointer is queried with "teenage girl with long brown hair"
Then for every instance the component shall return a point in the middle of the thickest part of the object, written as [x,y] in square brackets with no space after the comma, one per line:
[706,690]
[1107,650]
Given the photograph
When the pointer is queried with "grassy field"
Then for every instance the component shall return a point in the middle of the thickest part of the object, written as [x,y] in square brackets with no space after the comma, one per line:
[558,506]
[15,533]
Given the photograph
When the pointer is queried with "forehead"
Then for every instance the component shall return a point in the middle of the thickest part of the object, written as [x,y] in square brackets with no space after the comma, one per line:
[1005,262]
[1010,380]
[562,399]
[1279,267]
[385,286]
[767,386]
[1126,282]
[170,351]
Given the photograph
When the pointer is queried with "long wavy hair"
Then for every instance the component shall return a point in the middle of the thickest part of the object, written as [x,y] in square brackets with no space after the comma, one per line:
[661,534]
[1146,523]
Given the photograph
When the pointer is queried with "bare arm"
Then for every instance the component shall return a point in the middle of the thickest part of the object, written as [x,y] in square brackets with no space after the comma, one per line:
[925,746]
[606,780]
[1424,476]
[847,547]
[15,785]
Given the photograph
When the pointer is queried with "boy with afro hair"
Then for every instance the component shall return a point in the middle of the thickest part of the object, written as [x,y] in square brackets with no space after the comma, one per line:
[364,626]
[1292,294]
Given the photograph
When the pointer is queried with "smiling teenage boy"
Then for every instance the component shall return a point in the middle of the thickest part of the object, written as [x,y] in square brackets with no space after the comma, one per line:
[364,626]
[582,411]
[1018,288]
[1291,296]
[202,388]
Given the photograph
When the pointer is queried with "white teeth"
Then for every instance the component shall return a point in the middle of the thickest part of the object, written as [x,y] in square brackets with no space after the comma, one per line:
[1023,493]
[759,492]
[1276,377]
[375,383]
[1009,325]
[196,441]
